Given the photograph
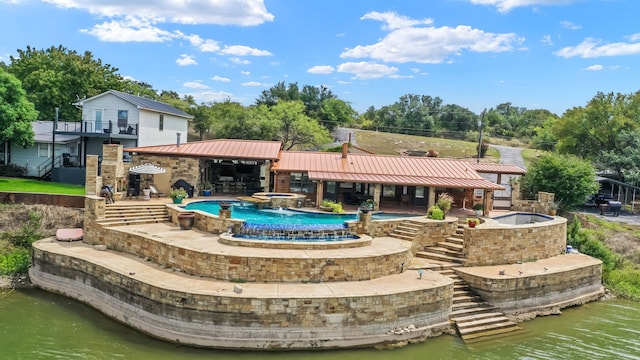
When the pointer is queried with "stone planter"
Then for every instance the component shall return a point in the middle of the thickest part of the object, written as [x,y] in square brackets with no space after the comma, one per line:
[186,219]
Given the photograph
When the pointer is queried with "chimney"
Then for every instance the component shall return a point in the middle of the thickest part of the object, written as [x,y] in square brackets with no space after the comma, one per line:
[345,150]
[178,139]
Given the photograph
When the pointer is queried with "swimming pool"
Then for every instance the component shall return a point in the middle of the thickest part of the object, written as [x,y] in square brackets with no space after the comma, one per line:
[252,215]
[521,218]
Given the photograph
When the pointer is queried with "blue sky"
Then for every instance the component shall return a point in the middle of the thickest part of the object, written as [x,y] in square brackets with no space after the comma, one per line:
[551,54]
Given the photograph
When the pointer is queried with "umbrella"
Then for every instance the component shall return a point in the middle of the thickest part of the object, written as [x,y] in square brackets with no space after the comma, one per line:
[148,169]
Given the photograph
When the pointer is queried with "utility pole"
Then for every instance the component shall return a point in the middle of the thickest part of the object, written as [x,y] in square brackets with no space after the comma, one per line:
[480,139]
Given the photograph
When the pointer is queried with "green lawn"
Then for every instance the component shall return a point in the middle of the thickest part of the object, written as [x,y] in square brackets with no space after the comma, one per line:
[38,186]
[394,144]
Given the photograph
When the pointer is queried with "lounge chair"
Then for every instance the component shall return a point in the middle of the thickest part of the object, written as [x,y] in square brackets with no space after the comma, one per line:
[154,191]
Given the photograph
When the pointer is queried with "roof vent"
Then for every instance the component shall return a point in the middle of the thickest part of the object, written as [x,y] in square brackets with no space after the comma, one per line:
[345,150]
[178,139]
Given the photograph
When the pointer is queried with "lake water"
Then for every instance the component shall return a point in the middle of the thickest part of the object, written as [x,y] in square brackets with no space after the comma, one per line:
[39,325]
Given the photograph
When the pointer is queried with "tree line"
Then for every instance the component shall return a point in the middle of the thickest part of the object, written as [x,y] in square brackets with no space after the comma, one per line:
[605,131]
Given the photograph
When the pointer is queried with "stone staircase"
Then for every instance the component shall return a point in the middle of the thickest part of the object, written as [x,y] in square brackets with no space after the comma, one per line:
[407,230]
[474,319]
[116,214]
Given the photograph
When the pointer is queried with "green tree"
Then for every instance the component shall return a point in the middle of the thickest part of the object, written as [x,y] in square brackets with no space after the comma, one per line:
[16,112]
[231,120]
[336,112]
[625,158]
[588,131]
[202,120]
[292,127]
[57,77]
[571,179]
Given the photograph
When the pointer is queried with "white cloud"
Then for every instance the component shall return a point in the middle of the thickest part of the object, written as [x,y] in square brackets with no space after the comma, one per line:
[571,26]
[220,78]
[429,44]
[239,61]
[209,96]
[596,67]
[195,85]
[546,39]
[241,50]
[253,83]
[204,45]
[320,69]
[219,12]
[186,60]
[504,6]
[394,21]
[591,48]
[130,29]
[367,70]
[247,73]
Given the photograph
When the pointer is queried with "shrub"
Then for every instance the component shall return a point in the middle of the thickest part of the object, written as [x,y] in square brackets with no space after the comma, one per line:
[444,202]
[336,207]
[12,170]
[28,233]
[15,262]
[435,213]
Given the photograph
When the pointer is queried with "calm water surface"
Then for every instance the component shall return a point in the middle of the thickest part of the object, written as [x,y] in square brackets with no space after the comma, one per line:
[38,325]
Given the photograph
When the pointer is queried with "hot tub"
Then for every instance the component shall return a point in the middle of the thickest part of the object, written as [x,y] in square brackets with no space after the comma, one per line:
[521,218]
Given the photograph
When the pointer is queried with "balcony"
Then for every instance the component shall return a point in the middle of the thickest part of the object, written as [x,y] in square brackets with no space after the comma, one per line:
[104,128]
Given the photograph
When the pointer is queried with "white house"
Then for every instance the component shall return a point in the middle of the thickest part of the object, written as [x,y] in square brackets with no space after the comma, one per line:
[112,117]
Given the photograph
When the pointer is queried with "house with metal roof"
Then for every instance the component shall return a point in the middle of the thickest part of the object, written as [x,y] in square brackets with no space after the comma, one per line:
[244,166]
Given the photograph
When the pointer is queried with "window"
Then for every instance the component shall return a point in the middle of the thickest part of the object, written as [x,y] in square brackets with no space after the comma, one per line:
[389,191]
[419,192]
[123,119]
[300,183]
[161,123]
[97,115]
[43,150]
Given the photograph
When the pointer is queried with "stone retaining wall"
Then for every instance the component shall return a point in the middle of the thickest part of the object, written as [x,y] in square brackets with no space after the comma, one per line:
[561,281]
[494,244]
[327,267]
[72,201]
[231,320]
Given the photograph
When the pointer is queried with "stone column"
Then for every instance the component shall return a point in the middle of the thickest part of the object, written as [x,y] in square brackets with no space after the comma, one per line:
[377,195]
[319,192]
[432,197]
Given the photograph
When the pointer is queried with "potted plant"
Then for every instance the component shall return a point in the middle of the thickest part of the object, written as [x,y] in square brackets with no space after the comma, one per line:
[435,213]
[478,208]
[331,206]
[473,222]
[177,195]
[207,189]
[224,205]
[367,206]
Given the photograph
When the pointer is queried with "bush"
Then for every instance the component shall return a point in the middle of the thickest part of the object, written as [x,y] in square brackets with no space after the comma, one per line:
[27,234]
[336,207]
[444,202]
[625,282]
[435,213]
[12,170]
[15,262]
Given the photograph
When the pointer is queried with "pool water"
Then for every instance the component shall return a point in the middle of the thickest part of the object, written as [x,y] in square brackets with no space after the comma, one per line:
[252,215]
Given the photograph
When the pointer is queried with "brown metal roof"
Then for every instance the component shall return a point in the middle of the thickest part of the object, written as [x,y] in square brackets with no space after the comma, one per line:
[221,149]
[383,169]
[490,168]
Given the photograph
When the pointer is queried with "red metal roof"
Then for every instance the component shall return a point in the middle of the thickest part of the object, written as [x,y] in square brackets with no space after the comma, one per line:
[497,168]
[383,169]
[221,149]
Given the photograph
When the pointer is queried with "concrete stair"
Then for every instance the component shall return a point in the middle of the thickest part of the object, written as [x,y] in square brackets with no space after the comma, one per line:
[407,230]
[475,320]
[117,215]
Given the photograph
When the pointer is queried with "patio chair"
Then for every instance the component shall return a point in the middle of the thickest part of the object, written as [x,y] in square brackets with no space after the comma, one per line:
[154,191]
